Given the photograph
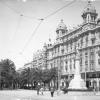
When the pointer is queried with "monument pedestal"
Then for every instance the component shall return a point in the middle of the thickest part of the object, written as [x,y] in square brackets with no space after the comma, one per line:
[77,85]
[79,93]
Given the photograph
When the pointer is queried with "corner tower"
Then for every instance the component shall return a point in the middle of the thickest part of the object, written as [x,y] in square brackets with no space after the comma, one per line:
[61,29]
[89,14]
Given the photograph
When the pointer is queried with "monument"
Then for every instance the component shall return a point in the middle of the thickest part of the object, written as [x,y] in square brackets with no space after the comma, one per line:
[77,83]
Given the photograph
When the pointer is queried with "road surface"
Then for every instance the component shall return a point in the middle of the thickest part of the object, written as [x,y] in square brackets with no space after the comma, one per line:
[32,95]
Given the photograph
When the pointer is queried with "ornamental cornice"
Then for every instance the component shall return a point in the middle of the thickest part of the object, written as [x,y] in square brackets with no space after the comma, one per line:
[89,47]
[55,45]
[86,31]
[81,31]
[74,38]
[73,31]
[59,56]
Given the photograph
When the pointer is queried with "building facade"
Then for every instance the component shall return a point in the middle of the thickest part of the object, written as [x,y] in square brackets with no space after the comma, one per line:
[85,38]
[39,59]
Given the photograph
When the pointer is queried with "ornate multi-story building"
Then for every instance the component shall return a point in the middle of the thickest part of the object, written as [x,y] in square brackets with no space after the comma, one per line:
[85,38]
[39,59]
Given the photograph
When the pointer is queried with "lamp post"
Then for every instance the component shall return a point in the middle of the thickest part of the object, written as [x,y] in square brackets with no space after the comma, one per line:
[85,73]
[59,78]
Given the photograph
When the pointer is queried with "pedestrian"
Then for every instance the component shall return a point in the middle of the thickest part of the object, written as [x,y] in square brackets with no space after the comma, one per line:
[41,90]
[52,91]
[38,89]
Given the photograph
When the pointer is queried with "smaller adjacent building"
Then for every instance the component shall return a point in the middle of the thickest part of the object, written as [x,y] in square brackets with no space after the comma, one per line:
[28,65]
[39,59]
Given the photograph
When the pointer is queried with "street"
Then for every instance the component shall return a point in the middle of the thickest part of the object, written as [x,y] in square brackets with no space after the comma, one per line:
[32,95]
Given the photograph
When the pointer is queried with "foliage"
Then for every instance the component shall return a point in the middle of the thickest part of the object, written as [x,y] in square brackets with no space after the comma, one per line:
[7,70]
[31,75]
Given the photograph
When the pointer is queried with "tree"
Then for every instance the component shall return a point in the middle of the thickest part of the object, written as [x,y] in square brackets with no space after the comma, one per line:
[25,77]
[7,73]
[35,75]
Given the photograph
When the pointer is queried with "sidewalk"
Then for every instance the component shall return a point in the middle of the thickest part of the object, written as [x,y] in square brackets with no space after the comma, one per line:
[32,95]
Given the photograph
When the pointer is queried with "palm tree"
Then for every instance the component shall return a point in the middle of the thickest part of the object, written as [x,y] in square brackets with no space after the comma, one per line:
[25,77]
[7,73]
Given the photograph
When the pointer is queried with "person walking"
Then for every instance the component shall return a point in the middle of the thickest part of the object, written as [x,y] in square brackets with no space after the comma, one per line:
[41,90]
[38,89]
[52,91]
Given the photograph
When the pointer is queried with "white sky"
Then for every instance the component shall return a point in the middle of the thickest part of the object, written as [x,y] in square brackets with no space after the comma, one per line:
[15,30]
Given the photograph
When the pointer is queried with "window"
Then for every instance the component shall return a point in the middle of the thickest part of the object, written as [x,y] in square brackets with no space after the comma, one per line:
[92,60]
[70,64]
[62,83]
[55,50]
[99,53]
[67,48]
[80,63]
[58,49]
[54,63]
[3,74]
[52,53]
[99,61]
[99,34]
[86,61]
[81,41]
[93,41]
[62,51]
[66,66]
[93,38]
[71,46]
[86,53]
[51,65]
[74,63]
[86,40]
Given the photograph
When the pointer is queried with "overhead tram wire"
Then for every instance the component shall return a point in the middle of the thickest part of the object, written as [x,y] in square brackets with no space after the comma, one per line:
[18,26]
[30,17]
[60,9]
[22,15]
[17,12]
[5,4]
[41,20]
[30,38]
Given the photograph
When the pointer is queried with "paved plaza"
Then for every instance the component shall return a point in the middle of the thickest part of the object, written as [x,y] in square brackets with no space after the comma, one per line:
[32,95]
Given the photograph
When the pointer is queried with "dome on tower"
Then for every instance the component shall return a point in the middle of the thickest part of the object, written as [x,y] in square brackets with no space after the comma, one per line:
[61,25]
[89,8]
[89,13]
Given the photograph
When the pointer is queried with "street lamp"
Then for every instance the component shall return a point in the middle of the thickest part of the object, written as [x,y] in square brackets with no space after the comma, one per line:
[85,75]
[59,78]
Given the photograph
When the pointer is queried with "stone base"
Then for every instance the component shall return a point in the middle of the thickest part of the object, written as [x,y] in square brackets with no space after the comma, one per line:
[80,93]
